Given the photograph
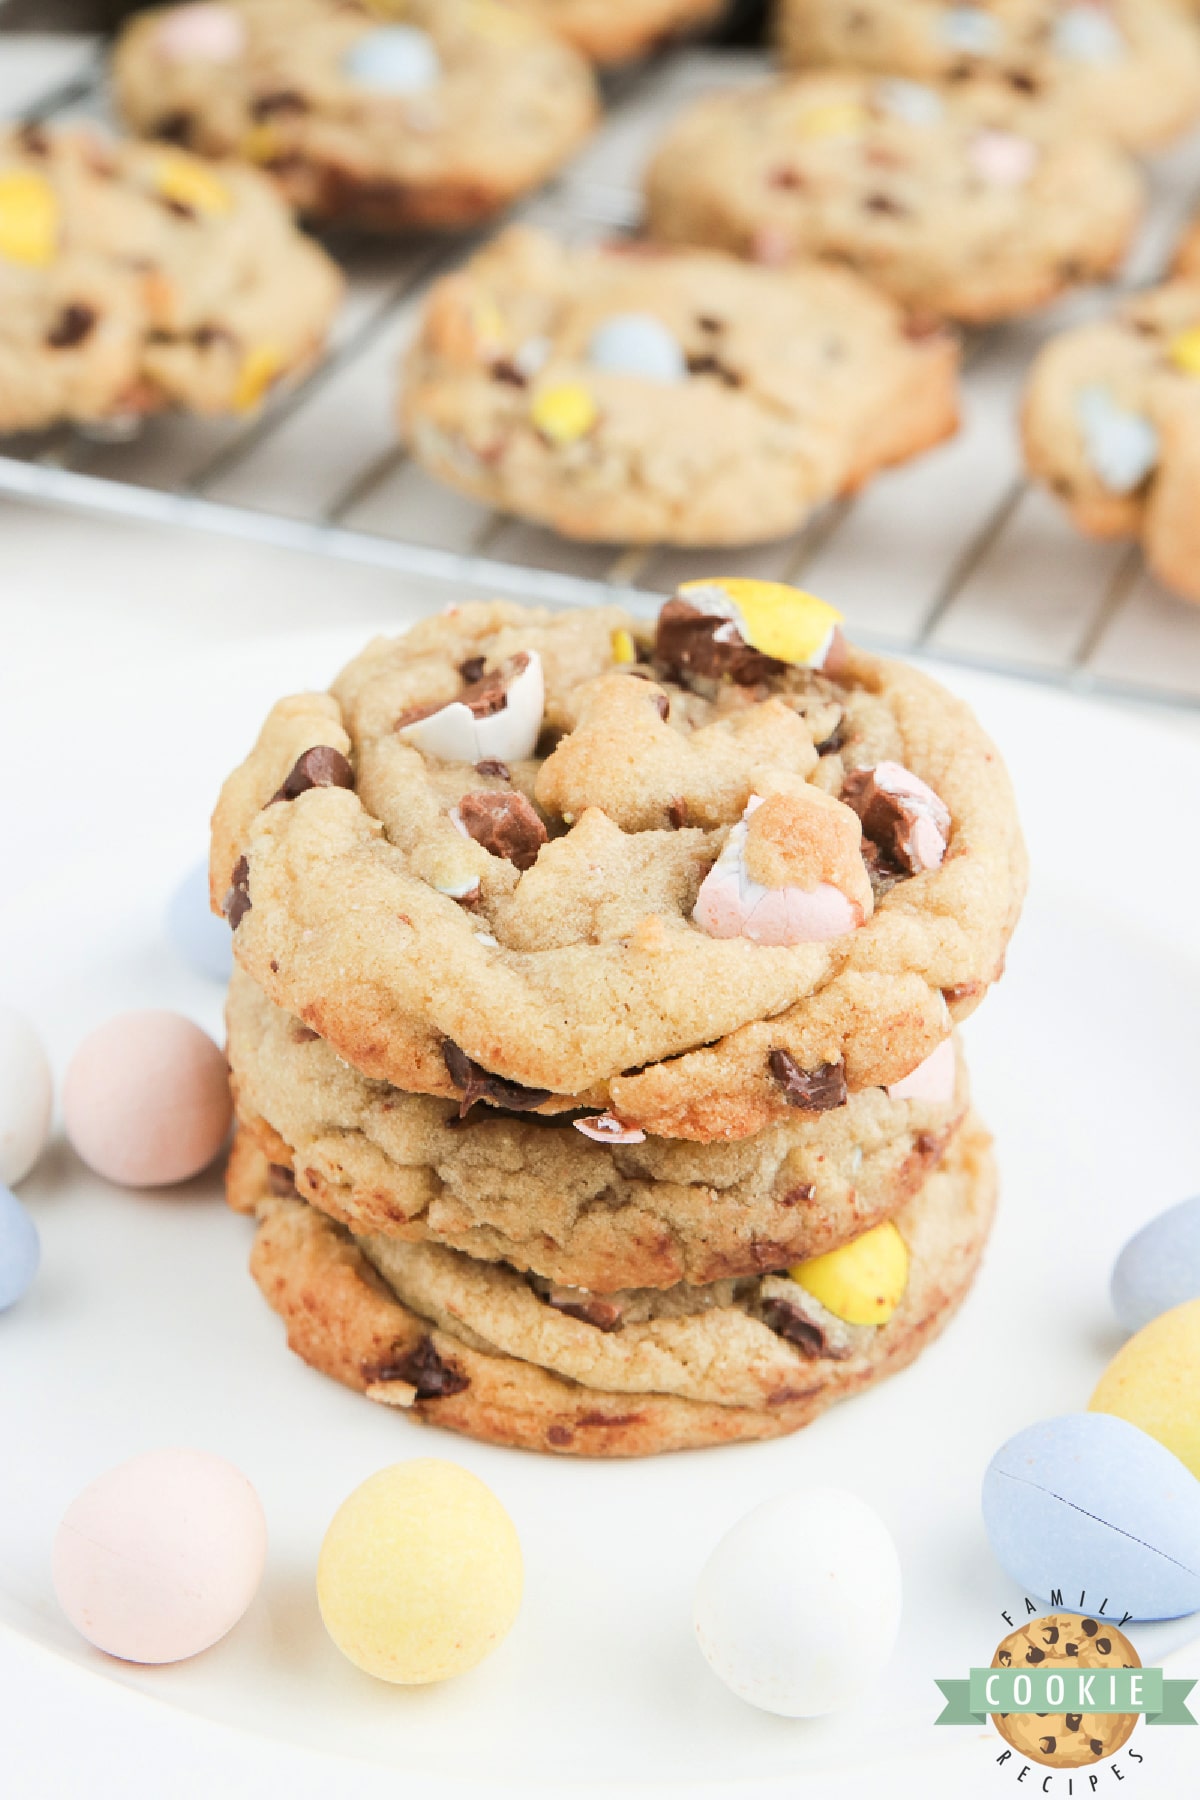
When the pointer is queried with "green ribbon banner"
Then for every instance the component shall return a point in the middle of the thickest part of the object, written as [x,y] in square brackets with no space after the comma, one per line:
[1066,1690]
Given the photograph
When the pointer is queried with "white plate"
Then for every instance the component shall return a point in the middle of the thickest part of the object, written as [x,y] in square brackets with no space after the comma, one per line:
[144,1328]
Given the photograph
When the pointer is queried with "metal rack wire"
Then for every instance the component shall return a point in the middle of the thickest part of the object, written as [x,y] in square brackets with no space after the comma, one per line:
[954,555]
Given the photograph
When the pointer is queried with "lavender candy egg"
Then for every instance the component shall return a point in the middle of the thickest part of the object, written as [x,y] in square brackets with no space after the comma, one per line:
[1087,1503]
[1159,1268]
[20,1250]
[395,59]
[637,344]
[202,940]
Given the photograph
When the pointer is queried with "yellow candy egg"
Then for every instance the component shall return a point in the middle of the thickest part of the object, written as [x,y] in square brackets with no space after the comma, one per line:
[420,1573]
[781,621]
[623,647]
[1185,351]
[1154,1382]
[259,369]
[261,143]
[186,181]
[28,218]
[564,413]
[840,118]
[863,1282]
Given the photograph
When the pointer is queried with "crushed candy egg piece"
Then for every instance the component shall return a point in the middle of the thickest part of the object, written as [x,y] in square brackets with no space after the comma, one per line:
[863,1282]
[200,33]
[185,180]
[28,219]
[623,648]
[780,621]
[731,903]
[1003,158]
[261,143]
[259,369]
[564,413]
[1121,446]
[840,118]
[970,29]
[1184,350]
[606,1128]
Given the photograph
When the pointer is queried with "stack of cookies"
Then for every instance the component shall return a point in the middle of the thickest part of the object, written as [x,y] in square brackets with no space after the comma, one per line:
[592,1025]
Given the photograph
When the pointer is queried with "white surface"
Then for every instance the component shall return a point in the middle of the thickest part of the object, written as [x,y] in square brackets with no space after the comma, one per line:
[135,666]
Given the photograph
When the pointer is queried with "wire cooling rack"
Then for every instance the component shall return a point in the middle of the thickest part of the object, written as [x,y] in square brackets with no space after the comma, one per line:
[954,555]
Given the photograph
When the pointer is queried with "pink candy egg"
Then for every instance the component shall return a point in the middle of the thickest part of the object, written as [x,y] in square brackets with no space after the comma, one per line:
[200,33]
[161,1556]
[146,1099]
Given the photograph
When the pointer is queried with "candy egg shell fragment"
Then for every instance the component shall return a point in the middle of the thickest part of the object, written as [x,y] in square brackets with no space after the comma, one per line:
[1154,1382]
[798,1608]
[455,734]
[863,1282]
[1087,1503]
[161,1556]
[900,814]
[420,1574]
[731,903]
[1003,158]
[1086,34]
[780,621]
[1159,1268]
[933,1080]
[146,1099]
[26,1097]
[28,219]
[911,101]
[1121,446]
[20,1250]
[606,1128]
[201,33]
[395,59]
[637,344]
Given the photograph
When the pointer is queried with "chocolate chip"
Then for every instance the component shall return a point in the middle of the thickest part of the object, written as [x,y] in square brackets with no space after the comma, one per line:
[423,1369]
[33,140]
[303,1034]
[706,364]
[677,812]
[1072,1649]
[1023,81]
[787,1321]
[812,1090]
[560,1436]
[508,372]
[177,207]
[320,767]
[284,100]
[505,824]
[1096,1747]
[205,336]
[493,766]
[472,669]
[1104,1645]
[885,204]
[1073,1721]
[280,1180]
[1034,1655]
[1004,1658]
[663,705]
[800,1195]
[784,176]
[691,642]
[1048,1745]
[237,901]
[477,1083]
[837,737]
[73,324]
[592,1309]
[1090,1628]
[709,322]
[174,128]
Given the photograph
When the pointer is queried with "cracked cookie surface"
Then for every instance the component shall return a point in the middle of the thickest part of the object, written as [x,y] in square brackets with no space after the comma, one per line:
[134,277]
[432,962]
[455,1343]
[969,202]
[712,402]
[437,114]
[541,1196]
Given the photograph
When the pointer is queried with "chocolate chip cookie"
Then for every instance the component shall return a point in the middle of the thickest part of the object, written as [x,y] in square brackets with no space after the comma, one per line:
[482,1349]
[135,277]
[967,201]
[431,113]
[1065,1640]
[1111,425]
[558,1197]
[615,31]
[685,876]
[633,395]
[1130,68]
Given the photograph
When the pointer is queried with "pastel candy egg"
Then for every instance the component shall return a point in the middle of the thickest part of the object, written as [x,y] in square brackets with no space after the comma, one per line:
[1003,158]
[146,1099]
[457,734]
[623,647]
[261,365]
[20,1250]
[798,1608]
[1087,34]
[970,29]
[1087,1503]
[1121,446]
[420,1574]
[395,59]
[911,101]
[781,621]
[933,1080]
[863,1282]
[201,939]
[161,1556]
[1154,1382]
[564,412]
[185,180]
[834,119]
[29,217]
[637,344]
[731,903]
[200,33]
[1159,1268]
[1185,351]
[26,1097]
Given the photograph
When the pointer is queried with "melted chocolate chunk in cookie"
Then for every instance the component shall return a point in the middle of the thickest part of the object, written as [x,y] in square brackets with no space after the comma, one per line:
[476,1083]
[690,642]
[423,1369]
[505,824]
[237,901]
[322,766]
[812,1090]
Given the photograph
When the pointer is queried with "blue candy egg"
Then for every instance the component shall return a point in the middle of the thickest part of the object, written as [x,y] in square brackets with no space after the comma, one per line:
[1121,446]
[1160,1267]
[1088,1504]
[970,29]
[20,1249]
[204,942]
[637,344]
[396,59]
[1087,35]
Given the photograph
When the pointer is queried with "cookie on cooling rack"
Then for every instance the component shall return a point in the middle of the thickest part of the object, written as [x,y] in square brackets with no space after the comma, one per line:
[627,395]
[698,873]
[1130,68]
[564,1197]
[134,277]
[969,202]
[438,114]
[1111,424]
[481,1349]
[615,31]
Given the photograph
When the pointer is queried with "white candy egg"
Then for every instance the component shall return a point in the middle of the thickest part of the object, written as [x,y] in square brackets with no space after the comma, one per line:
[454,734]
[637,344]
[26,1097]
[798,1608]
[395,59]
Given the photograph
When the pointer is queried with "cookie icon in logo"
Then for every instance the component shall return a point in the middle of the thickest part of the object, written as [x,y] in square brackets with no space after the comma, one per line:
[1065,1640]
